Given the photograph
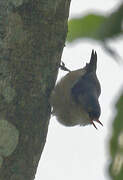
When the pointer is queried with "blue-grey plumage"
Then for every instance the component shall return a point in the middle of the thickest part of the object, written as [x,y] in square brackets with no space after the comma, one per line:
[75,97]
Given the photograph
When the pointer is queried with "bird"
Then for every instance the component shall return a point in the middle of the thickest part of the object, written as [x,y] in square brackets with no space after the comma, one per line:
[75,98]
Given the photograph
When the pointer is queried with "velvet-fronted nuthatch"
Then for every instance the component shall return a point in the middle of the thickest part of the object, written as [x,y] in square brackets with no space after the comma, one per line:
[75,97]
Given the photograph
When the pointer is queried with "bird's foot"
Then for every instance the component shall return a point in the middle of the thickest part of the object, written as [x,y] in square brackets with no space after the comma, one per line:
[63,67]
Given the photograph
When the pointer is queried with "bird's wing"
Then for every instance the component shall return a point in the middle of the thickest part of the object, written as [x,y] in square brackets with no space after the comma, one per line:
[87,84]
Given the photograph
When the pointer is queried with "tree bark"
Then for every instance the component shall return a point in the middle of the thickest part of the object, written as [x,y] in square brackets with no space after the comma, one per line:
[32,37]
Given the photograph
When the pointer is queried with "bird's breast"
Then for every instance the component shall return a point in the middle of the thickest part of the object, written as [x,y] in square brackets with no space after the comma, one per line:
[64,108]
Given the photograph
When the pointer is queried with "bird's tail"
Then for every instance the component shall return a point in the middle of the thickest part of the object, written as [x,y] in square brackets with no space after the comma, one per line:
[92,66]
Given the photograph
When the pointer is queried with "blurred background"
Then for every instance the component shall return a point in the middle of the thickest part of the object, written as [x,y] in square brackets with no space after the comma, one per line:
[84,152]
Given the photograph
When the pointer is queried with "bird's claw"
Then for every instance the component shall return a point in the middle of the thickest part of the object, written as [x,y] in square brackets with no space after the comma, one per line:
[62,67]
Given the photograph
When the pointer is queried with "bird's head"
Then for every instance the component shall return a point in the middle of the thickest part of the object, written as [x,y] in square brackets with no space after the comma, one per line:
[92,107]
[94,116]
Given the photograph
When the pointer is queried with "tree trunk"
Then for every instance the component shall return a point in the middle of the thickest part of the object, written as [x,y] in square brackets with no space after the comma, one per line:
[32,37]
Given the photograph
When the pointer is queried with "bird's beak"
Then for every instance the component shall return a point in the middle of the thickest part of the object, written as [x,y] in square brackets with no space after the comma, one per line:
[97,120]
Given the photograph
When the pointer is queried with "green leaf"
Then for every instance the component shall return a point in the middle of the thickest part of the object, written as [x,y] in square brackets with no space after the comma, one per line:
[84,27]
[112,26]
[116,144]
[95,26]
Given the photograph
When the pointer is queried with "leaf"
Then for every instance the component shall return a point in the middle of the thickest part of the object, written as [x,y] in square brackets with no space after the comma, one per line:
[84,27]
[112,26]
[95,26]
[116,144]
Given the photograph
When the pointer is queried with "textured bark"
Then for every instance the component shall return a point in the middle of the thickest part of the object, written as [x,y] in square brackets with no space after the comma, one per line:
[32,37]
